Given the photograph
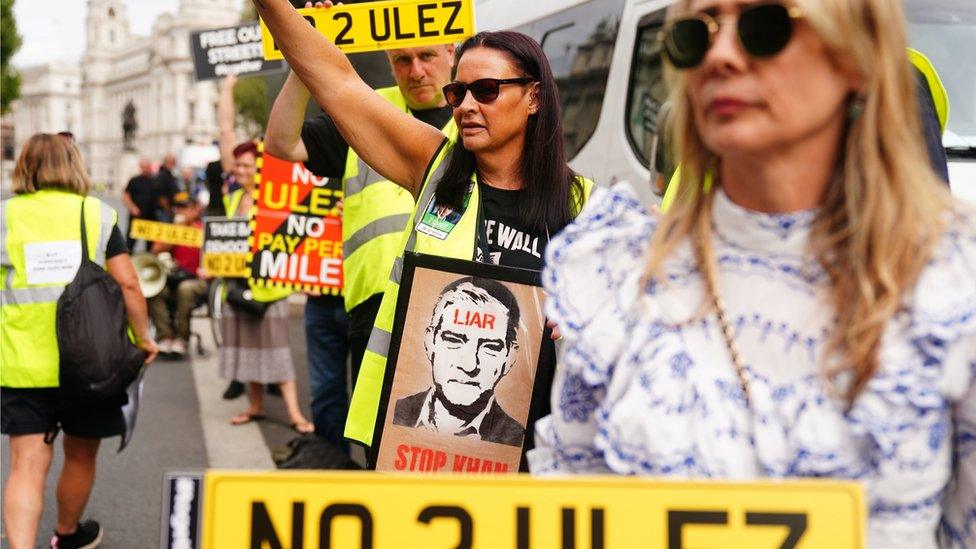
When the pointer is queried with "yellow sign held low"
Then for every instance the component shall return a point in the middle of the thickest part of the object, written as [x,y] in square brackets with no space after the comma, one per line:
[386,25]
[167,233]
[310,509]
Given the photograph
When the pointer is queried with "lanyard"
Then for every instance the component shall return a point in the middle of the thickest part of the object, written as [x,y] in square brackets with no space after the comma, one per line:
[481,238]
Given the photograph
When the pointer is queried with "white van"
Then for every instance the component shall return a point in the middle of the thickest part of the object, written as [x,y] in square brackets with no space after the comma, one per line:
[606,60]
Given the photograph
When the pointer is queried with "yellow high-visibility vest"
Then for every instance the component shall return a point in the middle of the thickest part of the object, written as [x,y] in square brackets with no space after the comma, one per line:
[375,213]
[940,96]
[459,243]
[29,356]
[232,201]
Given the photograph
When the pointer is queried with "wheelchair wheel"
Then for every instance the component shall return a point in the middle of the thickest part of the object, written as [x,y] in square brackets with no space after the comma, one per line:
[215,307]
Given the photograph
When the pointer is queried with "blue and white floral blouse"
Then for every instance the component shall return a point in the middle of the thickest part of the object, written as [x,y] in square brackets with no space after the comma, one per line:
[641,390]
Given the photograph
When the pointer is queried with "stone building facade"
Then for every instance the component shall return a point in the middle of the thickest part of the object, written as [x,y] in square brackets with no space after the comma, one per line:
[154,73]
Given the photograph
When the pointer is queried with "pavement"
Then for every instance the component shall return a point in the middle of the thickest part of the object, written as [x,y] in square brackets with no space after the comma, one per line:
[182,426]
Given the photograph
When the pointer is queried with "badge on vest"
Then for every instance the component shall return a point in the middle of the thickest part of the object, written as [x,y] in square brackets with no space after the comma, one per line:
[52,262]
[438,220]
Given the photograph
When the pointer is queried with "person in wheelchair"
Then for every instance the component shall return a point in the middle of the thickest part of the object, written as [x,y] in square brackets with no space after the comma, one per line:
[185,289]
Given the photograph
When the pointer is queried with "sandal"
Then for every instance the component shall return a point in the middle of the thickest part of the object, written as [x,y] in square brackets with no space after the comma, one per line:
[245,417]
[303,427]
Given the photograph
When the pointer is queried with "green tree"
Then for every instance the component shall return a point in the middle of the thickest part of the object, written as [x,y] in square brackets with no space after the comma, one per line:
[9,44]
[248,13]
[251,103]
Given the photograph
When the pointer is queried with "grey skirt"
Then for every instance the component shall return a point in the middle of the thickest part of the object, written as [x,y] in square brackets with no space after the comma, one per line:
[256,350]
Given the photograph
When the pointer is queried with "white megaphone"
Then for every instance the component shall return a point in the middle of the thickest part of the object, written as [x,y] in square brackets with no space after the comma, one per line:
[152,272]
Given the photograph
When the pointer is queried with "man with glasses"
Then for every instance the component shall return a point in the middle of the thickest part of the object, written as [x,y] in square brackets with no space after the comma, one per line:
[374,216]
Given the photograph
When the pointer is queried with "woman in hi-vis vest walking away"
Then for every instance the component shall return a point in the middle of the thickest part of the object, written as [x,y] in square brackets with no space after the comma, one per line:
[40,235]
[508,168]
[812,312]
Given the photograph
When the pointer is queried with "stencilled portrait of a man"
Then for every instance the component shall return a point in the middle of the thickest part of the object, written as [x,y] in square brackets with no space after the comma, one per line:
[470,344]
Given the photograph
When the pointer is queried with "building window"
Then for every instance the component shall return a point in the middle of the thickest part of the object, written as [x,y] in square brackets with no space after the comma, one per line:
[191,113]
[111,13]
[111,36]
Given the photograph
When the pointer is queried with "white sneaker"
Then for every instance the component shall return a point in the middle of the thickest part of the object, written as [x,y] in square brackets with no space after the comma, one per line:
[165,346]
[178,347]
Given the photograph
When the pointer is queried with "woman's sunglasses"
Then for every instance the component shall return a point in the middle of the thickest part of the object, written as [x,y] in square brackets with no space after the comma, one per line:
[484,90]
[764,30]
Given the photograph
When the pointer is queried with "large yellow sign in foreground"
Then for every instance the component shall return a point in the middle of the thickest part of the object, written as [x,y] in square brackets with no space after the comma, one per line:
[386,25]
[305,509]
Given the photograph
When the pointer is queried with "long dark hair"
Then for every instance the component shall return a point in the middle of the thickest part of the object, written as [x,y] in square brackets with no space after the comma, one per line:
[550,185]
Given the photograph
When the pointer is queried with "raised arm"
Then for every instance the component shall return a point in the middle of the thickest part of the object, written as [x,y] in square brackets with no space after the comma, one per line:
[283,138]
[394,143]
[225,122]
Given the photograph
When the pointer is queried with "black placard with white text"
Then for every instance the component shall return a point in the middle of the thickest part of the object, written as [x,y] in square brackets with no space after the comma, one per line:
[232,50]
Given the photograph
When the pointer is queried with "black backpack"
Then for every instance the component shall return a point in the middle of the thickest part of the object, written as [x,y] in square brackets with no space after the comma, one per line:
[98,361]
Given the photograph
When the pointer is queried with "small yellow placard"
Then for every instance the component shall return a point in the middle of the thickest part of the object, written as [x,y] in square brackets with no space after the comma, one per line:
[226,265]
[386,25]
[306,509]
[225,247]
[167,233]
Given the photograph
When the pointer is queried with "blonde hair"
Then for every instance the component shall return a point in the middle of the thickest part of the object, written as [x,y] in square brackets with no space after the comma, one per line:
[49,161]
[883,212]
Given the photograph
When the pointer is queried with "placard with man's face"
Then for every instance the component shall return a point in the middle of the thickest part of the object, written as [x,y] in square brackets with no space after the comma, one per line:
[462,368]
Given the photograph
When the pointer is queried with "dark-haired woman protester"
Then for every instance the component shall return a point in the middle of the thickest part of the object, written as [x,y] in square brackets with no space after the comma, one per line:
[40,252]
[812,313]
[508,168]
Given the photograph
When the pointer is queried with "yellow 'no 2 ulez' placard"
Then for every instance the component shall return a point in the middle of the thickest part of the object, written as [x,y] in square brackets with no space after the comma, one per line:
[167,233]
[386,25]
[306,510]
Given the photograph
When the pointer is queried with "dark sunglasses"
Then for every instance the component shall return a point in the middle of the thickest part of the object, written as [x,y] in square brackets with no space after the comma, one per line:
[484,90]
[764,30]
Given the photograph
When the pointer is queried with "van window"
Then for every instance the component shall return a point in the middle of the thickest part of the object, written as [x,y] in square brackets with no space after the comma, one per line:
[941,31]
[579,43]
[647,90]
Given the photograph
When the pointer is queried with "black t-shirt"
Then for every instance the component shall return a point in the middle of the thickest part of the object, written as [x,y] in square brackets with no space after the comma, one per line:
[144,192]
[116,244]
[509,242]
[512,244]
[215,185]
[167,184]
[327,150]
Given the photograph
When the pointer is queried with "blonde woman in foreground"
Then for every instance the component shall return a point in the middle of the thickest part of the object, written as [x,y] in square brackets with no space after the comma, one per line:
[811,312]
